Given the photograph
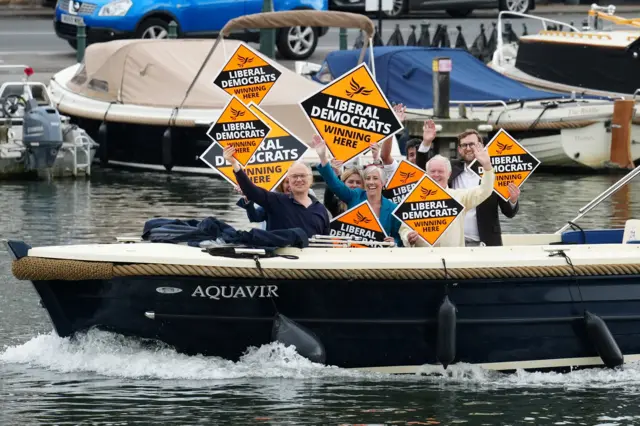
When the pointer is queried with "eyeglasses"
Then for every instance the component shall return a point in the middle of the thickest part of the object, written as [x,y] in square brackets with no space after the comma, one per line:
[296,177]
[468,145]
[351,166]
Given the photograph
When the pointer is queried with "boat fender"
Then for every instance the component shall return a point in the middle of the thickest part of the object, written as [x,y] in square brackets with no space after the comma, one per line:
[167,148]
[102,140]
[307,344]
[446,344]
[601,338]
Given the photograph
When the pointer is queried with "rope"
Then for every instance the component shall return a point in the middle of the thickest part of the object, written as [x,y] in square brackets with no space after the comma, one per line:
[446,277]
[257,260]
[34,269]
[573,270]
[537,120]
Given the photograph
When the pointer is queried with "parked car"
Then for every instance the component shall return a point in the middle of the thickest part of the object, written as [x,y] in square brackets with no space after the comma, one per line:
[117,19]
[455,8]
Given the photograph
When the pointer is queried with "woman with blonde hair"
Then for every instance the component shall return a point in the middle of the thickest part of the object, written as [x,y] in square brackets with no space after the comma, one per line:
[352,177]
[374,180]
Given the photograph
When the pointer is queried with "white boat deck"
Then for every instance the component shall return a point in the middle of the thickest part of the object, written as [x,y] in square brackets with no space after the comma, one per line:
[356,258]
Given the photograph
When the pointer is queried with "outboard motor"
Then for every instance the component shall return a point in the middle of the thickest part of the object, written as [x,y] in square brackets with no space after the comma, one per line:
[41,135]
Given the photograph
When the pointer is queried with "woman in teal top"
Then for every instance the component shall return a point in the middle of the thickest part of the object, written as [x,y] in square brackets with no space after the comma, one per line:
[372,192]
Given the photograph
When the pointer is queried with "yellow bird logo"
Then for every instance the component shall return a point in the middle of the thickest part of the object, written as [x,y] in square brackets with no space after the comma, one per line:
[242,61]
[235,114]
[405,176]
[427,192]
[503,147]
[360,218]
[357,89]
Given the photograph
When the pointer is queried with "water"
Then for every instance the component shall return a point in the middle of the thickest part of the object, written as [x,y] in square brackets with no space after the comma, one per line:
[104,379]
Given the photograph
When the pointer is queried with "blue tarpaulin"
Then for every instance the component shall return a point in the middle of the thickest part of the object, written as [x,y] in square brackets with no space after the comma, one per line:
[405,76]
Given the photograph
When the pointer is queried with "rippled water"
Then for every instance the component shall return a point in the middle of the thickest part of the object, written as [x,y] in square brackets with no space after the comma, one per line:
[101,378]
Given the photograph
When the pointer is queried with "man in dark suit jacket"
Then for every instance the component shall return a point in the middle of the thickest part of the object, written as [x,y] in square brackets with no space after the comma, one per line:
[482,224]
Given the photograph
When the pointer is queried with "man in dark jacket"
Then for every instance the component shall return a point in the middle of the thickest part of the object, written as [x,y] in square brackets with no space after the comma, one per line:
[482,224]
[285,211]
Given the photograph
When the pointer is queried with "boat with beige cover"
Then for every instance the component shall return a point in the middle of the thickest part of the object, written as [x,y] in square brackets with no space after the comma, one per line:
[149,103]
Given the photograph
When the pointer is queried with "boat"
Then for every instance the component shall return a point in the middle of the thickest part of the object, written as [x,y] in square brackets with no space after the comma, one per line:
[54,147]
[562,130]
[150,103]
[560,57]
[555,301]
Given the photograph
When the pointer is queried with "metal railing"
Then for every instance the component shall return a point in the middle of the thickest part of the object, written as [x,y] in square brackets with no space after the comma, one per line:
[334,241]
[498,53]
[600,198]
[489,102]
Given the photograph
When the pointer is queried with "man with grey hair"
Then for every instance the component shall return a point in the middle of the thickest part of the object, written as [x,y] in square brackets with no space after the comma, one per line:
[439,169]
[285,211]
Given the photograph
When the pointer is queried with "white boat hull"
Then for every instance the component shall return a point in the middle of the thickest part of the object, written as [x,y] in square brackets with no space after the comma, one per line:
[74,158]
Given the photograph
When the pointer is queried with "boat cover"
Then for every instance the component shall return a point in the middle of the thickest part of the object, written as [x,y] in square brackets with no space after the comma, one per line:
[157,73]
[405,76]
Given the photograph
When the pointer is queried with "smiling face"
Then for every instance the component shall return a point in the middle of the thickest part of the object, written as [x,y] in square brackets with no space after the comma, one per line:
[438,169]
[466,145]
[373,182]
[299,178]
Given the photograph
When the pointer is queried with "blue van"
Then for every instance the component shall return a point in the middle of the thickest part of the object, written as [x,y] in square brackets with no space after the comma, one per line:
[117,19]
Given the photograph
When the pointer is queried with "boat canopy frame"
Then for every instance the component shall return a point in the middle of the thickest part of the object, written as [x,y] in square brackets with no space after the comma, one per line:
[303,18]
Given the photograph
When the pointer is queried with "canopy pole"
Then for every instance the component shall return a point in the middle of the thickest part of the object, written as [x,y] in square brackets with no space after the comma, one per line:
[363,50]
[204,63]
[372,60]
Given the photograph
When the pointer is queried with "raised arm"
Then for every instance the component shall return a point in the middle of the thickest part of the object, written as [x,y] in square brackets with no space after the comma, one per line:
[249,189]
[338,187]
[471,198]
[385,151]
[425,151]
[342,191]
[387,144]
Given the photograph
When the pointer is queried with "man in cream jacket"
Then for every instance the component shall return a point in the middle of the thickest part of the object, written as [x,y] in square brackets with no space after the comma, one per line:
[439,169]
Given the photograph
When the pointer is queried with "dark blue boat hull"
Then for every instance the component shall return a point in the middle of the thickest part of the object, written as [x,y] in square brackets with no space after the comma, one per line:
[360,323]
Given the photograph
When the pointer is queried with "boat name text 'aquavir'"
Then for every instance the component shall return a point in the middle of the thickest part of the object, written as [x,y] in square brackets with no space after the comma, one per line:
[217,292]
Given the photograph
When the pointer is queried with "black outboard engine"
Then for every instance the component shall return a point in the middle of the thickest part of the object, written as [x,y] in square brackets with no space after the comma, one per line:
[41,135]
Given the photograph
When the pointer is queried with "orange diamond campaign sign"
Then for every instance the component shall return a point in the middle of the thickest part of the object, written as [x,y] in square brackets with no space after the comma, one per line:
[247,75]
[359,222]
[402,181]
[429,210]
[239,127]
[511,163]
[270,163]
[351,113]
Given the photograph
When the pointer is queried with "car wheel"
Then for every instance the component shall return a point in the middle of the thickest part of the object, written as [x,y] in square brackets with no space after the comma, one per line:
[153,28]
[297,42]
[399,8]
[520,6]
